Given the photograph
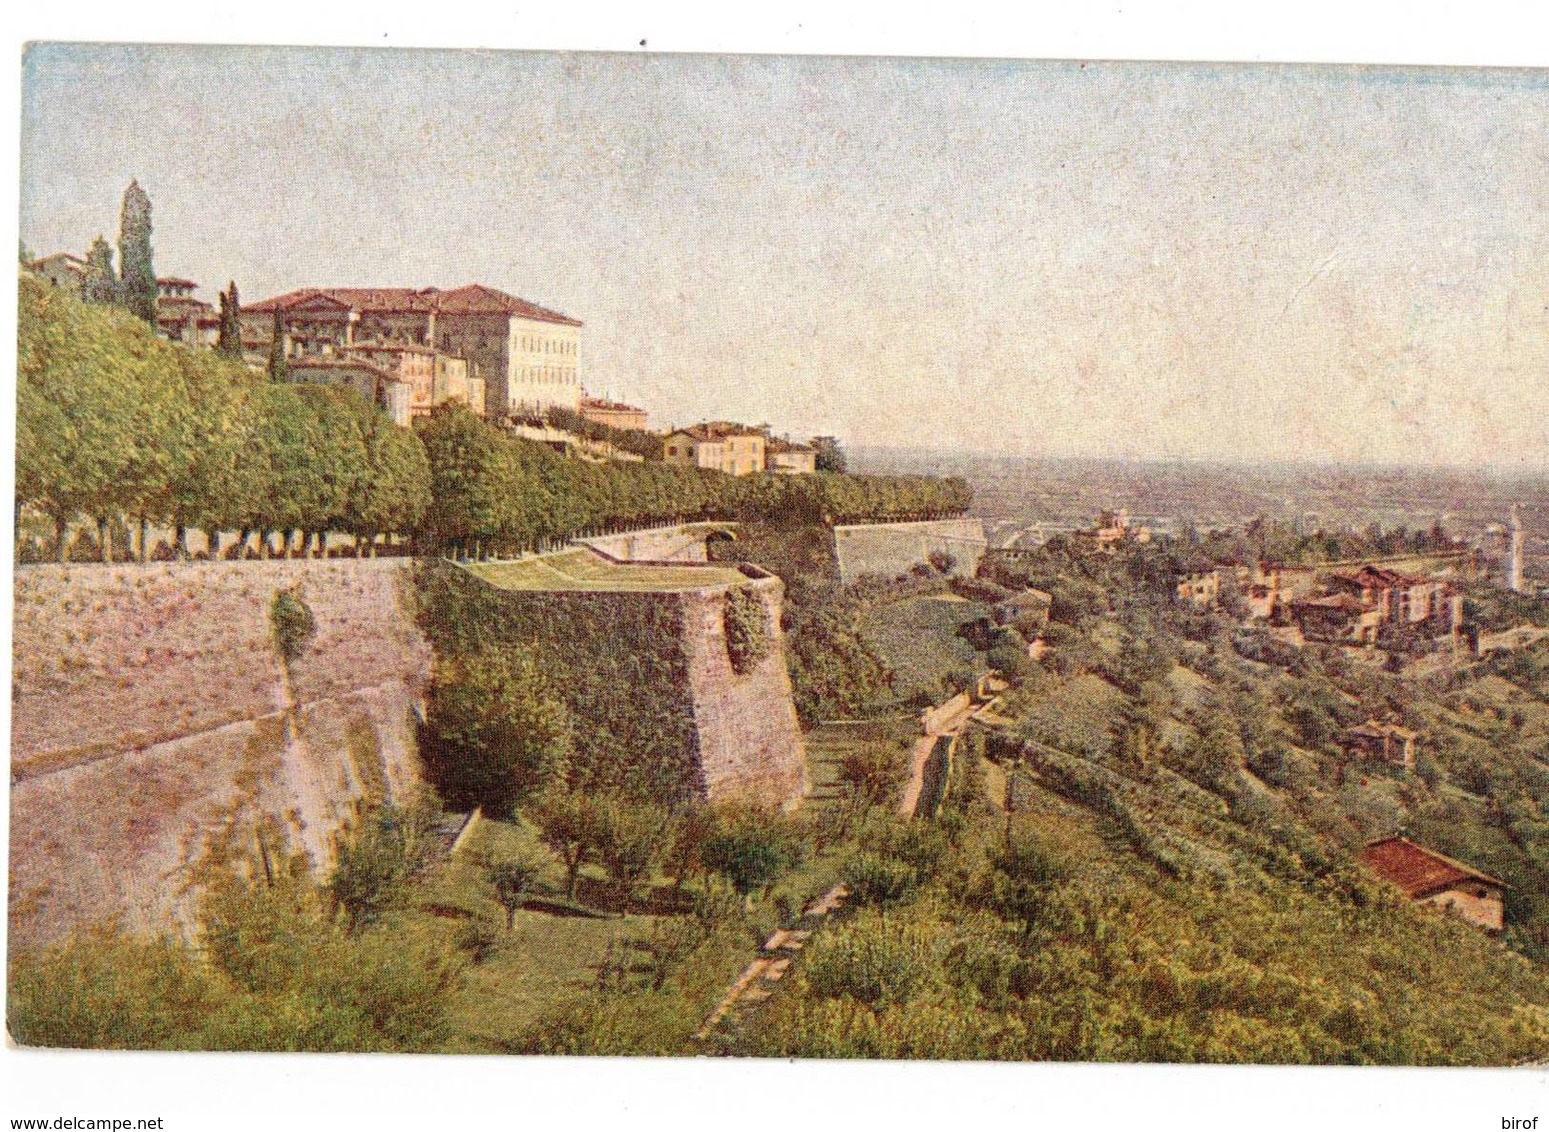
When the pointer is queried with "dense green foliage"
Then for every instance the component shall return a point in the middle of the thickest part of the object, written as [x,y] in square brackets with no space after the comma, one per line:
[746,623]
[112,422]
[228,341]
[495,730]
[274,971]
[495,494]
[615,661]
[291,624]
[99,285]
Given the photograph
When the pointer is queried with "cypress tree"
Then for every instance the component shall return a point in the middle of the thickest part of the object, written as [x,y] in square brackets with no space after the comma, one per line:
[229,340]
[134,254]
[100,285]
[279,369]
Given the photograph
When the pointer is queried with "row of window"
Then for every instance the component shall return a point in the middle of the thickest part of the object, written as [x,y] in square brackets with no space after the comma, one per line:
[535,345]
[548,376]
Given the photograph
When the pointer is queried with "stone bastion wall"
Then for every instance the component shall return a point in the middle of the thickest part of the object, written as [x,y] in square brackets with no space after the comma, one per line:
[152,716]
[890,549]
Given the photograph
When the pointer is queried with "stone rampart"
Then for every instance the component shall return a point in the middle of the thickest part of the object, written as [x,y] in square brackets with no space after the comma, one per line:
[151,714]
[890,549]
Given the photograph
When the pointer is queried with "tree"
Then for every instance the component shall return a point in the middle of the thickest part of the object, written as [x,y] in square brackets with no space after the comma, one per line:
[91,427]
[395,493]
[497,733]
[512,881]
[99,286]
[279,368]
[138,275]
[570,824]
[830,457]
[228,342]
[751,848]
[369,876]
[631,837]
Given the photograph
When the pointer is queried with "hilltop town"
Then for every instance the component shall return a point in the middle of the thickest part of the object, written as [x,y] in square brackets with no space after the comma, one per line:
[408,350]
[376,687]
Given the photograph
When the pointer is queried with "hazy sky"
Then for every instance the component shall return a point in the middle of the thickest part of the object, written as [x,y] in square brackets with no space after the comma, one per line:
[1137,260]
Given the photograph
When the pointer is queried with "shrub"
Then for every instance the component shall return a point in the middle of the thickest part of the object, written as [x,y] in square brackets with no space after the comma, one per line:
[879,881]
[751,848]
[101,989]
[292,625]
[496,732]
[872,962]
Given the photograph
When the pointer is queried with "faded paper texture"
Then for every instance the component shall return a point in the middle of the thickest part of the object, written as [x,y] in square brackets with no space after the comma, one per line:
[780,557]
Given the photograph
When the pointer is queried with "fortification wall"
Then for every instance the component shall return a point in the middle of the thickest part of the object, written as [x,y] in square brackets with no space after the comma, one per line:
[151,714]
[668,544]
[890,549]
[748,739]
[658,708]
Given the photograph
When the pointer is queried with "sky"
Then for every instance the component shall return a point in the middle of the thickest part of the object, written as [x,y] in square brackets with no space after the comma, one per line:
[1159,261]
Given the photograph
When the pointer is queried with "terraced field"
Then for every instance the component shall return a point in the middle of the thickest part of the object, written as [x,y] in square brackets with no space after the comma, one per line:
[828,744]
[917,639]
[584,570]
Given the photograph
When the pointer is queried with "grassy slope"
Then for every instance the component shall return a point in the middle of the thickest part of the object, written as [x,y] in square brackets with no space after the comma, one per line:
[917,639]
[583,570]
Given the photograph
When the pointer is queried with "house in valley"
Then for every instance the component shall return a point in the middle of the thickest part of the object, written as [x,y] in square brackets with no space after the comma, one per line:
[1428,877]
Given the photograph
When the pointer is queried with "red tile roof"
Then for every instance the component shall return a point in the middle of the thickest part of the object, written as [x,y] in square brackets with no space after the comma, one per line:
[475,298]
[1418,871]
[390,348]
[372,368]
[179,304]
[377,300]
[777,446]
[174,281]
[1379,577]
[717,430]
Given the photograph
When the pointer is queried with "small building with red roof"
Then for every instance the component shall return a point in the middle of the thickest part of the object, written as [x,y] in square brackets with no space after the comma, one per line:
[1428,877]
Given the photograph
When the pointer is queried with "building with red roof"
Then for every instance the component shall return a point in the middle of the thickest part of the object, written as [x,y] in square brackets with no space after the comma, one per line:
[527,355]
[726,447]
[1429,877]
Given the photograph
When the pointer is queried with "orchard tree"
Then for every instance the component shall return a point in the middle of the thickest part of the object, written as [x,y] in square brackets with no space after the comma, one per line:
[570,823]
[632,836]
[138,275]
